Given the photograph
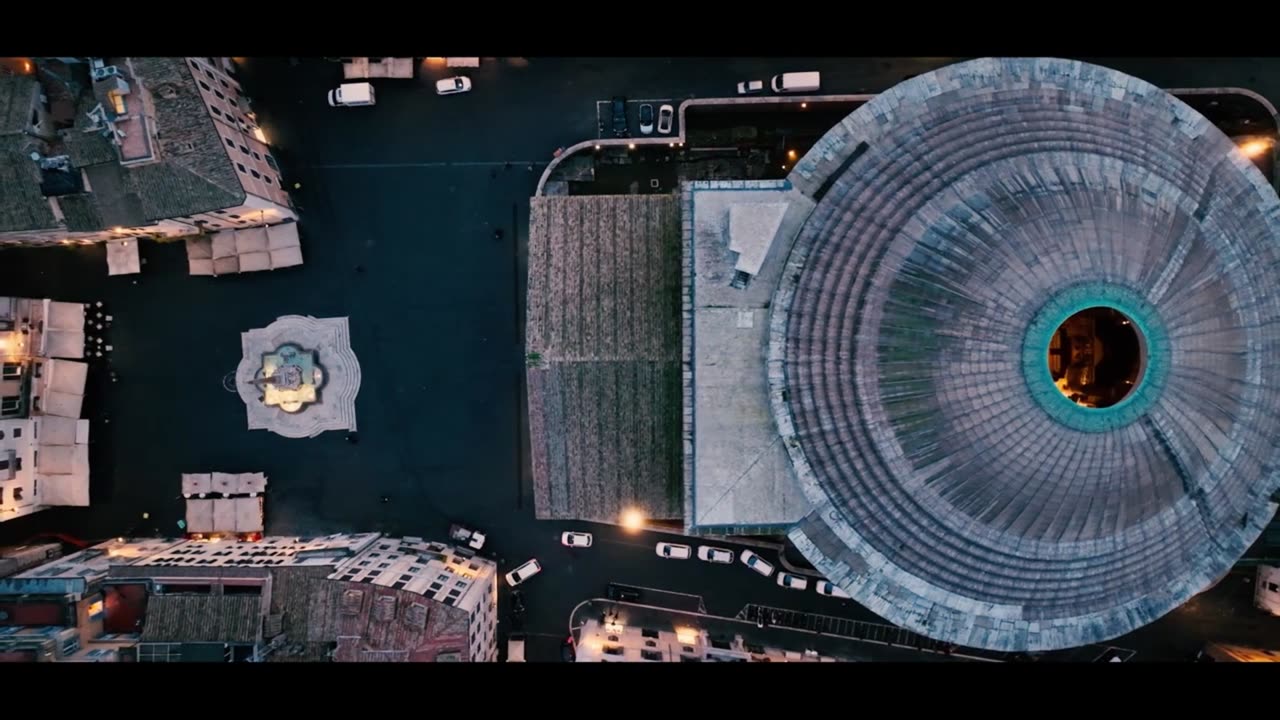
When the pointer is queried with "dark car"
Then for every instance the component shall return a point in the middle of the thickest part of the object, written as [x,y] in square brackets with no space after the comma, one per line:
[517,603]
[620,126]
[625,593]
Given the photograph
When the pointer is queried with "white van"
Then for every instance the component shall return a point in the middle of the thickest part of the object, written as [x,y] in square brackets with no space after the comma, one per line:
[797,82]
[352,95]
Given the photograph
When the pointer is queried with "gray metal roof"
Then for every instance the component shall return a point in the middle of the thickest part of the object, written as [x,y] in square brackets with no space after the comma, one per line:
[951,495]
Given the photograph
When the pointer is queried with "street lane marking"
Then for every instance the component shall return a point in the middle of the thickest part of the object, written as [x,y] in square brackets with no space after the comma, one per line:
[457,163]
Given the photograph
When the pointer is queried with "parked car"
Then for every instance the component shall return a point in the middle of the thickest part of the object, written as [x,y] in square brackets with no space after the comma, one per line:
[830,589]
[619,111]
[523,573]
[792,582]
[626,593]
[517,603]
[646,119]
[750,87]
[715,554]
[674,551]
[453,85]
[665,115]
[576,539]
[755,562]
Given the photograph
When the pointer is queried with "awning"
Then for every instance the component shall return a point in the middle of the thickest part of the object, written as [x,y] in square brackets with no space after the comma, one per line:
[249,249]
[122,257]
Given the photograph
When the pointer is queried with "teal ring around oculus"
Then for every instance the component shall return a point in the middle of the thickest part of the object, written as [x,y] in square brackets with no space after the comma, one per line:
[1154,354]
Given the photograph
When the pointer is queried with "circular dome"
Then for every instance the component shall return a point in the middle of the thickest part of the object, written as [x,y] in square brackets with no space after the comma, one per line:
[918,355]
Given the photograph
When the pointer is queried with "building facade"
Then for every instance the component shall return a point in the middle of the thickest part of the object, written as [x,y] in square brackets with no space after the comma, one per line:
[132,147]
[341,598]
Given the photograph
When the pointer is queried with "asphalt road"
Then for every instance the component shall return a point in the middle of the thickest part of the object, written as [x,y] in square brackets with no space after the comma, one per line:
[400,202]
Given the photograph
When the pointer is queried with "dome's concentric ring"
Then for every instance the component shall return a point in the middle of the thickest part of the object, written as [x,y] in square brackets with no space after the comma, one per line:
[958,214]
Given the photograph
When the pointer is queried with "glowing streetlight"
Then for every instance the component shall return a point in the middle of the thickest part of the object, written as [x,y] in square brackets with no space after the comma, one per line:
[1254,149]
[631,146]
[632,520]
[791,154]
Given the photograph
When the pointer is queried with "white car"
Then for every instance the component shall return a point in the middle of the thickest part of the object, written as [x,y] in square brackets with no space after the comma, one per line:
[715,554]
[665,115]
[792,582]
[453,85]
[750,87]
[830,589]
[755,562]
[524,572]
[673,551]
[646,119]
[576,539]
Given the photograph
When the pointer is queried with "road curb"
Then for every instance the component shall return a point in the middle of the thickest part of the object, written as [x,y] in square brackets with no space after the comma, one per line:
[680,136]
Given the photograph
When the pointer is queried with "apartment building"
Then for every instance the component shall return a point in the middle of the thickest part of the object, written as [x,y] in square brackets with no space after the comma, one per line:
[94,149]
[342,598]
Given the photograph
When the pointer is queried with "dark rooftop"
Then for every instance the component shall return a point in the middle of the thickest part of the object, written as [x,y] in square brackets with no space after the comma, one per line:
[603,339]
[203,618]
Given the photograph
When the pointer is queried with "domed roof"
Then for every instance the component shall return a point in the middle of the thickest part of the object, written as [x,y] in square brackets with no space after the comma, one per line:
[962,217]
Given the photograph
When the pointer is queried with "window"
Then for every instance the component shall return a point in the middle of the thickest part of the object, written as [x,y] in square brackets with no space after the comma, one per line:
[1271,587]
[472,566]
[230,143]
[270,161]
[613,650]
[4,465]
[255,173]
[650,643]
[11,371]
[9,403]
[241,167]
[443,578]
[17,463]
[235,217]
[435,587]
[651,655]
[206,72]
[224,83]
[117,103]
[219,95]
[215,110]
[646,632]
[266,179]
[687,649]
[2,435]
[204,85]
[244,150]
[256,156]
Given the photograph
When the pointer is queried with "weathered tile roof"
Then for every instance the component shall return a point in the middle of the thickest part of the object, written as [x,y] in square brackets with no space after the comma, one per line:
[15,102]
[81,212]
[203,618]
[603,333]
[22,206]
[196,174]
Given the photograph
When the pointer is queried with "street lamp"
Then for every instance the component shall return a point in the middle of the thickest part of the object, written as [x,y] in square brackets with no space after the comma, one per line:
[632,520]
[1255,148]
